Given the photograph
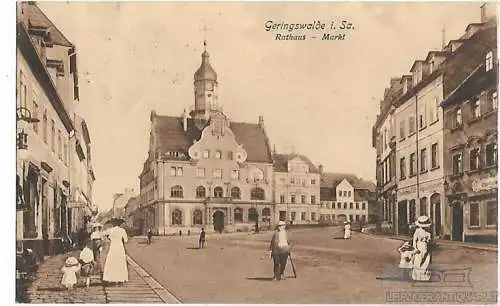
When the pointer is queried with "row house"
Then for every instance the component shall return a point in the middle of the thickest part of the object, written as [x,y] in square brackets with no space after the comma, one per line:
[420,131]
[47,89]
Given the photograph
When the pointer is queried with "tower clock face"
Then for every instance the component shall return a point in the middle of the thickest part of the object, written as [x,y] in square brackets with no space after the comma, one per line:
[210,86]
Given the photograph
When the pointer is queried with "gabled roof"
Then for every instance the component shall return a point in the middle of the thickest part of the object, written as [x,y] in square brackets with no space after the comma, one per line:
[169,134]
[33,16]
[436,53]
[331,180]
[415,63]
[280,162]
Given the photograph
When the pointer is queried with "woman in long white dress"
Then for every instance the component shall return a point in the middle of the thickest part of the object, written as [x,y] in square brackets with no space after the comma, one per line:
[347,230]
[422,258]
[115,267]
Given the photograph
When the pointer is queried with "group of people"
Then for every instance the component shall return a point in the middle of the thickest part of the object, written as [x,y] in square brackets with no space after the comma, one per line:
[115,266]
[416,254]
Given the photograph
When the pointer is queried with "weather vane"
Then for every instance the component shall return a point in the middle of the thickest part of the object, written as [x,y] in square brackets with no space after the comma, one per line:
[205,30]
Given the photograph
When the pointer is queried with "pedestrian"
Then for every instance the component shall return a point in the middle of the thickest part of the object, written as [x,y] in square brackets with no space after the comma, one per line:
[280,250]
[407,252]
[421,242]
[201,242]
[69,270]
[87,262]
[347,230]
[150,234]
[115,267]
[96,239]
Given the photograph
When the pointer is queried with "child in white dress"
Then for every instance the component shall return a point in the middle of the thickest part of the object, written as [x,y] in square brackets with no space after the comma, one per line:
[407,252]
[71,267]
[87,262]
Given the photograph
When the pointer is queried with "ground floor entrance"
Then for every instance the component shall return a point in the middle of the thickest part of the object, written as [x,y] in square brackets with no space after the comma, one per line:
[457,227]
[218,221]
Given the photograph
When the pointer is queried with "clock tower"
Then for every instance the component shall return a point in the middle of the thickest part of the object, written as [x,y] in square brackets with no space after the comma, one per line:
[205,88]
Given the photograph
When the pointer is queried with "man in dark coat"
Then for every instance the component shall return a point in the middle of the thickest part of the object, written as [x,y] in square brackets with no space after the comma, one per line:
[280,250]
[201,242]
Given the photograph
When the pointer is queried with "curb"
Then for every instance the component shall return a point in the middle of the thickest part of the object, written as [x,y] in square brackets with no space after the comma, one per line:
[165,295]
[443,243]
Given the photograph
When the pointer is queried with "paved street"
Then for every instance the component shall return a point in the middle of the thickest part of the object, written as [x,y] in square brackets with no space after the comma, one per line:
[237,268]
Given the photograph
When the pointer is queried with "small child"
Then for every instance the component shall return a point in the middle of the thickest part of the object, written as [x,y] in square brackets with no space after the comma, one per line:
[407,252]
[87,262]
[71,267]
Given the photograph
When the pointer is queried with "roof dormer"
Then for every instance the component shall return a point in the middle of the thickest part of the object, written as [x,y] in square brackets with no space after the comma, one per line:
[453,45]
[406,81]
[471,29]
[417,71]
[434,60]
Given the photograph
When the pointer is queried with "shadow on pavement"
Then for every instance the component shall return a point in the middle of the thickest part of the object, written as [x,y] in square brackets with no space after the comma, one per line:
[193,248]
[260,278]
[338,238]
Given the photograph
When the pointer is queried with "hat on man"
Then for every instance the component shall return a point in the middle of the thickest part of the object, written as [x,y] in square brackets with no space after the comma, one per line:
[423,221]
[281,223]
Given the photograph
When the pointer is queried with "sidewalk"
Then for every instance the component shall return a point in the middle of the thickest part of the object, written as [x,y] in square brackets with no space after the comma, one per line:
[139,289]
[450,243]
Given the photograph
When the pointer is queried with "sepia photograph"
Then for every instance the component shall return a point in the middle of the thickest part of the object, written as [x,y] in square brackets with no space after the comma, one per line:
[254,152]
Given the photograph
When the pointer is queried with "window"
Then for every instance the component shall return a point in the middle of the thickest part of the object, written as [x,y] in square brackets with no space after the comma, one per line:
[257,175]
[411,125]
[351,206]
[340,193]
[200,172]
[197,217]
[458,117]
[431,67]
[180,171]
[363,206]
[218,154]
[200,192]
[230,155]
[489,61]
[293,215]
[434,156]
[302,216]
[351,218]
[177,217]
[238,214]
[176,171]
[434,110]
[349,193]
[475,109]
[491,213]
[313,182]
[53,135]
[357,205]
[59,144]
[257,194]
[176,192]
[494,100]
[44,126]
[235,193]
[235,174]
[474,214]
[457,163]
[423,160]
[282,198]
[218,192]
[303,199]
[345,193]
[35,115]
[217,173]
[413,164]
[402,168]
[402,130]
[172,171]
[282,216]
[339,205]
[345,205]
[421,120]
[292,199]
[474,159]
[206,154]
[313,199]
[357,218]
[491,154]
[313,216]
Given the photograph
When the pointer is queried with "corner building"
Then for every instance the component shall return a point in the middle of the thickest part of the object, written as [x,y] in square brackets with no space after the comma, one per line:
[204,170]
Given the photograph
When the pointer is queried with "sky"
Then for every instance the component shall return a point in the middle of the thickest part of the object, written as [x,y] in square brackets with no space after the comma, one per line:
[319,98]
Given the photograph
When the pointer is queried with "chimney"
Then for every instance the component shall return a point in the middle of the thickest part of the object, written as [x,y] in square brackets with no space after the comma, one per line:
[320,169]
[185,120]
[261,121]
[483,13]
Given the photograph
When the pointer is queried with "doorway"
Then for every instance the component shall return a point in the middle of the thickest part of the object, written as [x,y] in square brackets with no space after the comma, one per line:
[402,218]
[218,218]
[436,213]
[45,217]
[458,221]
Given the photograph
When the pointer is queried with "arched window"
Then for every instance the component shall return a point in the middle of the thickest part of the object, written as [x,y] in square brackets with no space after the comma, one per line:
[238,214]
[252,215]
[218,192]
[177,217]
[200,192]
[176,192]
[257,194]
[235,193]
[197,217]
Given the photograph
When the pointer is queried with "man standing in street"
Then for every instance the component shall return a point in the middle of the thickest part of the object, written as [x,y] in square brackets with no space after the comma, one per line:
[280,250]
[201,242]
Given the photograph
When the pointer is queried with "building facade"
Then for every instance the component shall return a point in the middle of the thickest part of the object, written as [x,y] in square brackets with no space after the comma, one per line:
[204,170]
[470,145]
[296,189]
[47,89]
[346,197]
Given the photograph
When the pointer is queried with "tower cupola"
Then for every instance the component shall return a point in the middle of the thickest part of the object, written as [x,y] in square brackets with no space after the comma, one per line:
[205,88]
